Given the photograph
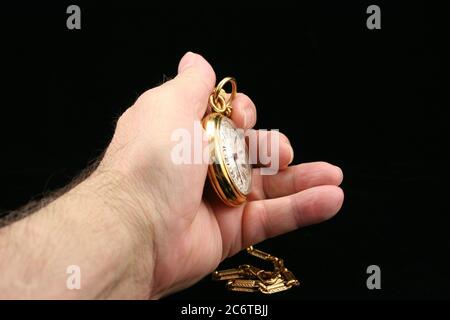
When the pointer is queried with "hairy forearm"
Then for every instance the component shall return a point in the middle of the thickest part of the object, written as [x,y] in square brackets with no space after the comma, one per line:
[91,226]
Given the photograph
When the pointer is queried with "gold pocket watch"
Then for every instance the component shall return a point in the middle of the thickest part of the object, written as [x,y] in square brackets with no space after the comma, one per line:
[230,174]
[229,171]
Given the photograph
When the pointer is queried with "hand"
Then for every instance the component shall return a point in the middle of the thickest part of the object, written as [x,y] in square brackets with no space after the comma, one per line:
[190,232]
[141,226]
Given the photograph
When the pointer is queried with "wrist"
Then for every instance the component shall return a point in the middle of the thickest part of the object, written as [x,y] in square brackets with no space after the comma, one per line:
[93,227]
[114,208]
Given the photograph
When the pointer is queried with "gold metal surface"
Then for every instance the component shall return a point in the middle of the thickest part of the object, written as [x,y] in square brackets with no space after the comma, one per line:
[217,170]
[218,99]
[247,278]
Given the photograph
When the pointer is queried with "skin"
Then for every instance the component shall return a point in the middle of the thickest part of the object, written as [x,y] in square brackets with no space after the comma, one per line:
[143,227]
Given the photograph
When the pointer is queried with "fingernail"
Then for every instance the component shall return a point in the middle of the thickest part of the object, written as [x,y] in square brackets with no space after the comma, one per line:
[285,139]
[187,61]
[250,116]
[341,173]
[245,119]
[292,154]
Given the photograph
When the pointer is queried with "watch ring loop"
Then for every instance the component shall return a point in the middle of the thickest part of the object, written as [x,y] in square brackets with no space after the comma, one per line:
[219,92]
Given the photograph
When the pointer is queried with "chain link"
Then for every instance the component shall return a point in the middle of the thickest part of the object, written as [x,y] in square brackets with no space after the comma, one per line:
[248,278]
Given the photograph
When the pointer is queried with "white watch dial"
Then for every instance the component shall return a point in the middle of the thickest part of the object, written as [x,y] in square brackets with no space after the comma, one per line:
[235,153]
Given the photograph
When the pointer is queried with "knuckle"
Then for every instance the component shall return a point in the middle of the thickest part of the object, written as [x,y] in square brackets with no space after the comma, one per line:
[125,118]
[148,97]
[195,81]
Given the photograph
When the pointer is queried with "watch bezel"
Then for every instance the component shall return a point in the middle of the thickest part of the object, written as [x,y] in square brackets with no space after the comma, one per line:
[218,174]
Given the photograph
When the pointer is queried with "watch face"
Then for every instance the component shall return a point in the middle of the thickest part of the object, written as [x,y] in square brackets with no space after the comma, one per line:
[235,155]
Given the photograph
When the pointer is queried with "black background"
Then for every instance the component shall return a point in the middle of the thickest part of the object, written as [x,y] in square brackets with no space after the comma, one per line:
[374,102]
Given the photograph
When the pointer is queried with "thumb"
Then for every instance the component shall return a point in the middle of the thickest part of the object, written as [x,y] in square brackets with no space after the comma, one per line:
[195,80]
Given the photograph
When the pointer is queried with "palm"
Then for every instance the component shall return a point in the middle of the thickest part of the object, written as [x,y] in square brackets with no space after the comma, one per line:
[275,206]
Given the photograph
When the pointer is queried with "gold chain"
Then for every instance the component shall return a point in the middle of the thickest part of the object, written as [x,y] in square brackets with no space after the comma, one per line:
[247,278]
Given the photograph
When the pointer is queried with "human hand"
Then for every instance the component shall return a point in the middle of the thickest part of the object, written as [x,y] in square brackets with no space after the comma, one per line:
[187,232]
